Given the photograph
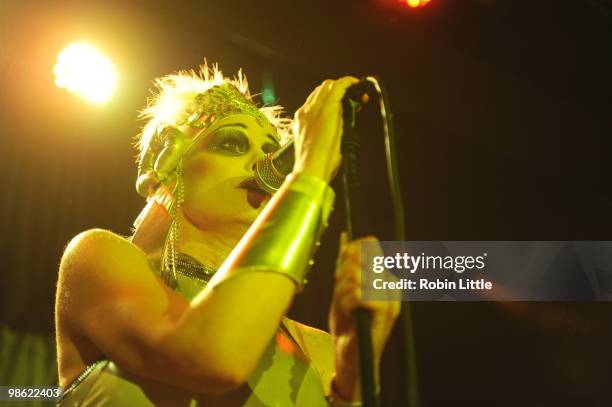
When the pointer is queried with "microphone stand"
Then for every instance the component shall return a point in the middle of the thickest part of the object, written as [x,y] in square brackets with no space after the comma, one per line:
[355,228]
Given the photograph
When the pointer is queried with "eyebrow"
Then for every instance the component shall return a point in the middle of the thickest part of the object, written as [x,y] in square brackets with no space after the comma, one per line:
[271,137]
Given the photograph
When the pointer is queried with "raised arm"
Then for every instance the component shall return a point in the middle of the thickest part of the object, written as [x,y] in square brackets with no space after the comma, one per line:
[214,342]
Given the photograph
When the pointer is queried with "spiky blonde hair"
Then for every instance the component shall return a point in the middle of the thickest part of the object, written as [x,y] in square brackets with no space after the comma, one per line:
[174,93]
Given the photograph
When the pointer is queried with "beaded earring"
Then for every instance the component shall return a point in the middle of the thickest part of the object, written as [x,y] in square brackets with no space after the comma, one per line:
[168,272]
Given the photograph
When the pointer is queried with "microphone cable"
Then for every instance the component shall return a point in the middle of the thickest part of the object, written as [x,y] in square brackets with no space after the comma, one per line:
[355,93]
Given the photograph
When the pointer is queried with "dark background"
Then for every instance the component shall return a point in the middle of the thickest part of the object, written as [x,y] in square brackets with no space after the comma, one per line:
[502,114]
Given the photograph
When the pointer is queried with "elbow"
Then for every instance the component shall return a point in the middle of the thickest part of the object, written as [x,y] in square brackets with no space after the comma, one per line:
[226,380]
[222,365]
[216,378]
[201,363]
[209,372]
[229,370]
[210,377]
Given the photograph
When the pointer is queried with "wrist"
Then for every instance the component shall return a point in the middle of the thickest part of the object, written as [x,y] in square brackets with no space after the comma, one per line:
[348,379]
[314,167]
[337,401]
[312,171]
[347,344]
[336,398]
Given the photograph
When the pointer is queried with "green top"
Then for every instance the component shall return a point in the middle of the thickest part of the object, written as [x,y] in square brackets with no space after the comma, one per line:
[285,376]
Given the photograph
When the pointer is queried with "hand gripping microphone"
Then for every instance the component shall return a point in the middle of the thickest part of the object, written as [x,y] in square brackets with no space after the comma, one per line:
[271,169]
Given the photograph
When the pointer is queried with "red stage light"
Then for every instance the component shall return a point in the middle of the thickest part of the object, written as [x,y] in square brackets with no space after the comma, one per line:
[416,3]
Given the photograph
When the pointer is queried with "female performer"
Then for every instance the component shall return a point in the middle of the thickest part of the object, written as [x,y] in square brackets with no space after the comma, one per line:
[190,310]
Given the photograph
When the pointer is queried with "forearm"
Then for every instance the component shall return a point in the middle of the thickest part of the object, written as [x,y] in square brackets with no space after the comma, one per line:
[232,325]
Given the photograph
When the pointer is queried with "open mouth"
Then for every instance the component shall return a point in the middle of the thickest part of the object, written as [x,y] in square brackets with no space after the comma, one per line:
[255,195]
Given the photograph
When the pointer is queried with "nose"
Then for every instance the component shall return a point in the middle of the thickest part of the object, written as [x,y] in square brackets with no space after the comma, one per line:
[251,164]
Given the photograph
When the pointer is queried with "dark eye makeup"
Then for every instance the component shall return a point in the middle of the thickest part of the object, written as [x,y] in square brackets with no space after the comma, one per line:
[229,141]
[269,147]
[234,141]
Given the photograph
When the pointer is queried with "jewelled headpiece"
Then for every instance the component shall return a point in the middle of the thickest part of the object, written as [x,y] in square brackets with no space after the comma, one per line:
[219,102]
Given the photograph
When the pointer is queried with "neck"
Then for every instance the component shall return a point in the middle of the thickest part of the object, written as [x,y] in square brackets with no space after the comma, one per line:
[212,246]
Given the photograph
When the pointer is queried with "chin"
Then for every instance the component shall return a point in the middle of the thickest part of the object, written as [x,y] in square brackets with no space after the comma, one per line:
[242,208]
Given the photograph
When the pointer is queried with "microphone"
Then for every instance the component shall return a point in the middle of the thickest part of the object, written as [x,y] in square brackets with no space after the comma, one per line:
[272,169]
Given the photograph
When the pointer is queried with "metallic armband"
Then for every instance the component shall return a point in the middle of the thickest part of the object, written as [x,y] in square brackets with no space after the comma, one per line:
[286,234]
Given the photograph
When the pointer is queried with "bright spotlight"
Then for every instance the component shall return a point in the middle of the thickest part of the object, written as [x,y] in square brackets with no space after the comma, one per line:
[84,70]
[416,3]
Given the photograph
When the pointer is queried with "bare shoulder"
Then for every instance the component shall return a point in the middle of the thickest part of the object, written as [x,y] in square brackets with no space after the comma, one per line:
[95,244]
[93,262]
[80,275]
[96,254]
[110,302]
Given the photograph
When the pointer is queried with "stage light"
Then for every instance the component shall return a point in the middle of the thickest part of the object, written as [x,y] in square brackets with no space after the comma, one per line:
[416,3]
[84,70]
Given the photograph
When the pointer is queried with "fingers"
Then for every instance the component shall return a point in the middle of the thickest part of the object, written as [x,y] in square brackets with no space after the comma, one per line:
[348,277]
[348,296]
[324,86]
[330,91]
[348,270]
[318,127]
[352,249]
[347,290]
[339,89]
[349,251]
